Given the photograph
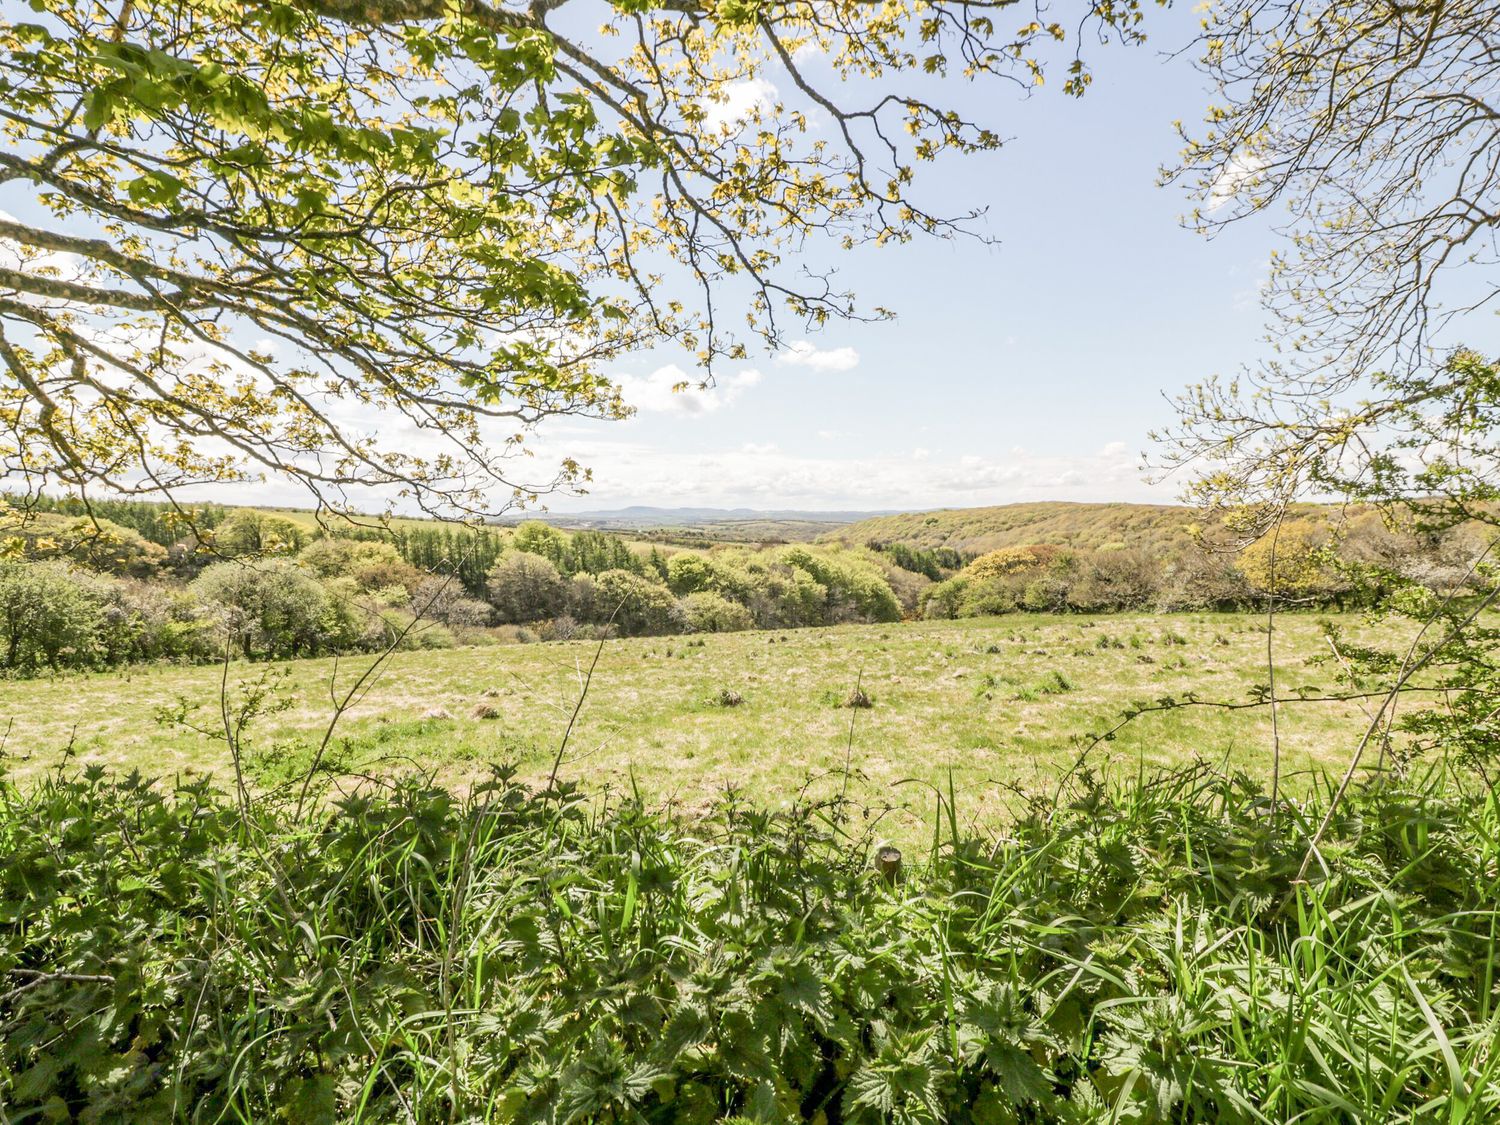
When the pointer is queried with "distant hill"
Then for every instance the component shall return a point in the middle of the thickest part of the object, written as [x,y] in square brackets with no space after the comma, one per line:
[639,516]
[697,525]
[1157,527]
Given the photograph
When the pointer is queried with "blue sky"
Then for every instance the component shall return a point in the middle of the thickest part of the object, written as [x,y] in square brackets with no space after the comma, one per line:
[1030,370]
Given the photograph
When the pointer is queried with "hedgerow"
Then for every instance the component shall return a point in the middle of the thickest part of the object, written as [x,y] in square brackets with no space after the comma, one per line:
[409,953]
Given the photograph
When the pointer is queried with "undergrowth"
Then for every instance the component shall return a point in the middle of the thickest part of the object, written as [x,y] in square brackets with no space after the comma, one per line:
[410,954]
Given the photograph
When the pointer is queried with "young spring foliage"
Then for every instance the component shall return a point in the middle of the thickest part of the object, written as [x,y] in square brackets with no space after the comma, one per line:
[233,227]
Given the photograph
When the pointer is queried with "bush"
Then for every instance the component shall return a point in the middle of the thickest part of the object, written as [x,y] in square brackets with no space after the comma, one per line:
[444,600]
[944,601]
[1112,580]
[248,532]
[371,564]
[988,597]
[525,587]
[690,573]
[51,616]
[146,621]
[96,544]
[856,591]
[709,613]
[1144,954]
[640,607]
[274,608]
[1048,594]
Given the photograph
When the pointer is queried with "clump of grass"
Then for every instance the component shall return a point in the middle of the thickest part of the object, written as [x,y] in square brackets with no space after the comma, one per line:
[858,698]
[1140,952]
[1055,683]
[436,715]
[484,711]
[728,697]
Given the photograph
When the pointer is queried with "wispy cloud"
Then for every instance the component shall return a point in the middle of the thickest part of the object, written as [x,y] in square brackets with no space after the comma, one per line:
[762,475]
[804,353]
[672,390]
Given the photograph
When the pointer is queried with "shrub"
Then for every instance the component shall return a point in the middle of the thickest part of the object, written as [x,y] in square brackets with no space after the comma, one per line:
[691,573]
[150,621]
[253,533]
[856,591]
[1048,594]
[1304,562]
[371,564]
[704,612]
[96,544]
[51,616]
[1109,581]
[1007,561]
[445,600]
[274,608]
[525,587]
[640,606]
[988,597]
[944,601]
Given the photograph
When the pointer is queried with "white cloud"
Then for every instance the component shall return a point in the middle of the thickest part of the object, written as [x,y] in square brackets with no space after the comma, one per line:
[38,263]
[763,476]
[659,391]
[1239,172]
[743,102]
[804,354]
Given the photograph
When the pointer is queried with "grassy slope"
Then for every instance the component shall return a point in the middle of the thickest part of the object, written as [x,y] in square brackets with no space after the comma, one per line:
[1008,525]
[943,703]
[1157,527]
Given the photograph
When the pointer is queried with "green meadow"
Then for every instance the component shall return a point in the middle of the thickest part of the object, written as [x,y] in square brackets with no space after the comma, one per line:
[989,706]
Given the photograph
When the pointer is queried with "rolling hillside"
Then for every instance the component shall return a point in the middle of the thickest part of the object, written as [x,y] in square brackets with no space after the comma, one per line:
[1158,527]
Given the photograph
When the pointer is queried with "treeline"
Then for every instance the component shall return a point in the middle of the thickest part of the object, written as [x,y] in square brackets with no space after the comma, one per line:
[1309,563]
[78,590]
[82,591]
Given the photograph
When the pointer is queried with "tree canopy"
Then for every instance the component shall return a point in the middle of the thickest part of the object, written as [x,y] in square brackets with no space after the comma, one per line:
[1374,128]
[232,226]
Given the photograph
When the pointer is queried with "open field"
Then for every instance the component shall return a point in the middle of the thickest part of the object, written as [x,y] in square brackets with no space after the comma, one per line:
[998,700]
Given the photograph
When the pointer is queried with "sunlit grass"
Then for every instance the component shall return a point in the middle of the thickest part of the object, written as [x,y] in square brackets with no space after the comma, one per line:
[985,703]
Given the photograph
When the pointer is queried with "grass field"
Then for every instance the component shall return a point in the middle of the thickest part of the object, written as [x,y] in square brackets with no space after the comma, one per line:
[992,703]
